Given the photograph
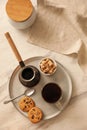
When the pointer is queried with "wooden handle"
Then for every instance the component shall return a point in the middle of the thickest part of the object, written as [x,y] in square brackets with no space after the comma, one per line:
[11,42]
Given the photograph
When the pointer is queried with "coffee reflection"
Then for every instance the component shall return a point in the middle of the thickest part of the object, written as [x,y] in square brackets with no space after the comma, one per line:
[51,92]
[28,73]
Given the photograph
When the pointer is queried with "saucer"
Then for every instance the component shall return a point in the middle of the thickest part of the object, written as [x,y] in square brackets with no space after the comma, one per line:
[60,77]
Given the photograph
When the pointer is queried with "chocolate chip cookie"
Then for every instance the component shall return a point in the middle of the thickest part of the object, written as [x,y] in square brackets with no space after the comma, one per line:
[26,103]
[35,114]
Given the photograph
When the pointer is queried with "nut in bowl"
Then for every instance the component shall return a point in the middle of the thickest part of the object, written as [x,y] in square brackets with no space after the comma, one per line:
[48,66]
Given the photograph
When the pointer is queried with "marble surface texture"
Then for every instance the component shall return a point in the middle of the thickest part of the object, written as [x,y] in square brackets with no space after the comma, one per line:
[74,117]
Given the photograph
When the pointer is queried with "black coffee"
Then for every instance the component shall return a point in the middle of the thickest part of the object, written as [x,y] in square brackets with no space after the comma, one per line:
[27,73]
[51,92]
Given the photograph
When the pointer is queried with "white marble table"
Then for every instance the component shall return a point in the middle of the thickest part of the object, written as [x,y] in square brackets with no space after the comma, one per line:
[74,117]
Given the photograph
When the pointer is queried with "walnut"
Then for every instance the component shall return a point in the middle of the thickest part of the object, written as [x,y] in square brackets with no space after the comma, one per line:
[47,66]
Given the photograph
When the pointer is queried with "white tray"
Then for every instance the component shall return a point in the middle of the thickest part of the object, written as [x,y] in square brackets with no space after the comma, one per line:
[60,77]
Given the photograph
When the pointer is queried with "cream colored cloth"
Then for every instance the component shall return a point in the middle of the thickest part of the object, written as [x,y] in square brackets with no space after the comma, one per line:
[53,30]
[77,6]
[80,50]
[57,3]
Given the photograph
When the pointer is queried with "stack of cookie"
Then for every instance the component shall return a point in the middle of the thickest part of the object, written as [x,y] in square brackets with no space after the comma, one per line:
[26,104]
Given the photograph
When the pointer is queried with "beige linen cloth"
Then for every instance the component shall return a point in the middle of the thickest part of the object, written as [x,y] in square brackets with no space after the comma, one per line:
[77,13]
[52,30]
[77,6]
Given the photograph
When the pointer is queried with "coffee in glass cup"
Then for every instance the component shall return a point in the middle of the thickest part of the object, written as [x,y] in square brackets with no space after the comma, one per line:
[51,92]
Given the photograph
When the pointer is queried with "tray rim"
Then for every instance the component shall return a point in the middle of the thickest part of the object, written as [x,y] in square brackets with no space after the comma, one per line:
[64,69]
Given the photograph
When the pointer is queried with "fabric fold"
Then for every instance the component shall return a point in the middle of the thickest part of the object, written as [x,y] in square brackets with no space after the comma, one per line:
[53,31]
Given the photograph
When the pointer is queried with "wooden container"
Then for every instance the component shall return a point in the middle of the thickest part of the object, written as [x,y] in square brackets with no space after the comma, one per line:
[21,13]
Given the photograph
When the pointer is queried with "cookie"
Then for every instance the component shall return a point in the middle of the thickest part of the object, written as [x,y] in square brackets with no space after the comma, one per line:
[26,103]
[35,114]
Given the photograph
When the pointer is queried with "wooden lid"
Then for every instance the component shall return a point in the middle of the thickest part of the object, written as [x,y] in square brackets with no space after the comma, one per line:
[19,10]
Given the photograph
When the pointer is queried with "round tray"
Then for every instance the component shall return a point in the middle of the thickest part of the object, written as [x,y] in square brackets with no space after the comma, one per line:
[60,77]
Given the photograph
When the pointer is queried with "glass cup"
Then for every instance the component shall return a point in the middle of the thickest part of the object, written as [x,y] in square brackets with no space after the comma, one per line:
[52,92]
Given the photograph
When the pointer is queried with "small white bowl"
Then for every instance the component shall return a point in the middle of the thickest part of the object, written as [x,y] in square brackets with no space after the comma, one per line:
[48,66]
